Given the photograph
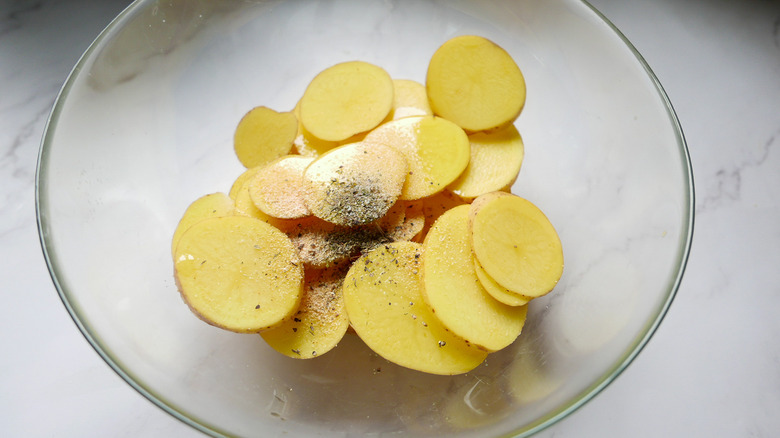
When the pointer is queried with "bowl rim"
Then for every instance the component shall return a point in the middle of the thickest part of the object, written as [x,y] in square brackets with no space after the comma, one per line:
[577,401]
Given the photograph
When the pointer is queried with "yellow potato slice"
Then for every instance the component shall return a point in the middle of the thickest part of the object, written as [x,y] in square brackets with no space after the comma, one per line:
[306,143]
[245,176]
[245,206]
[497,291]
[455,294]
[409,99]
[213,205]
[474,83]
[354,184]
[437,151]
[321,244]
[516,244]
[495,162]
[238,273]
[277,189]
[404,221]
[383,296]
[264,135]
[320,321]
[436,205]
[346,99]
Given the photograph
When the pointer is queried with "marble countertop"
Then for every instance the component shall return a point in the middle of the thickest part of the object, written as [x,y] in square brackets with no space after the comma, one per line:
[713,367]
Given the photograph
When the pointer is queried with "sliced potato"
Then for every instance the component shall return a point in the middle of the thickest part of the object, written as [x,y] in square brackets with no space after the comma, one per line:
[383,296]
[238,184]
[320,321]
[245,206]
[409,99]
[437,151]
[346,99]
[277,189]
[515,243]
[404,220]
[321,244]
[436,205]
[455,294]
[495,162]
[474,83]
[238,273]
[354,184]
[213,205]
[306,143]
[497,291]
[264,135]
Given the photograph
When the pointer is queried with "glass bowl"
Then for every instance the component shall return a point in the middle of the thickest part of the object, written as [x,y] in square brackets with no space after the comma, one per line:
[144,125]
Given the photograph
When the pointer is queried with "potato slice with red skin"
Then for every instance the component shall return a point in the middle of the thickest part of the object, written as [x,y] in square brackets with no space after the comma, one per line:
[495,162]
[264,135]
[383,296]
[346,99]
[455,294]
[474,83]
[213,205]
[238,273]
[515,243]
[320,321]
[497,291]
[354,184]
[277,189]
[437,151]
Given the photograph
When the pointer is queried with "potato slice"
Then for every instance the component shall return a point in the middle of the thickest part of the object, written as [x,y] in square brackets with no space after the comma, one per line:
[516,243]
[245,206]
[245,176]
[213,205]
[320,321]
[436,205]
[404,220]
[497,291]
[474,83]
[383,296]
[306,143]
[321,244]
[238,273]
[409,99]
[454,293]
[437,151]
[354,184]
[264,135]
[277,189]
[495,162]
[346,99]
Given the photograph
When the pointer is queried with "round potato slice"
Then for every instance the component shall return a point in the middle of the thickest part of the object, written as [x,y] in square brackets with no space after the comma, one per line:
[320,321]
[497,291]
[515,243]
[245,176]
[277,189]
[455,294]
[495,162]
[213,205]
[346,99]
[383,296]
[354,184]
[436,149]
[474,83]
[409,99]
[264,135]
[238,273]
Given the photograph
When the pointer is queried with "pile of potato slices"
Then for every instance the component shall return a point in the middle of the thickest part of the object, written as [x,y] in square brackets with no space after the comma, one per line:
[381,207]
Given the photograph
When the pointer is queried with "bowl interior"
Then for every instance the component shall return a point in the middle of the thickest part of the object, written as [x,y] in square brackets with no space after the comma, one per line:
[144,126]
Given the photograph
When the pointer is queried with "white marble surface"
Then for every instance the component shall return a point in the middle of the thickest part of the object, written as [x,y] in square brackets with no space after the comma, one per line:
[713,367]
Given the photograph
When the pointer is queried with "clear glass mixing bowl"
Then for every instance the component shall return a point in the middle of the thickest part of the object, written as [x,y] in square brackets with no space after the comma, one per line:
[144,125]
